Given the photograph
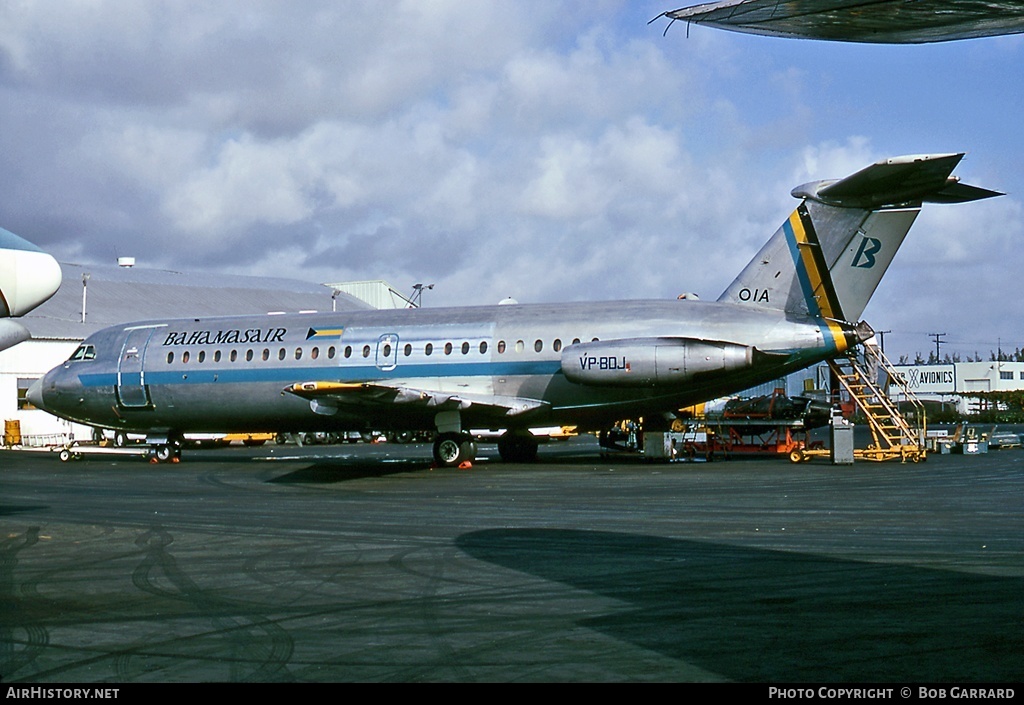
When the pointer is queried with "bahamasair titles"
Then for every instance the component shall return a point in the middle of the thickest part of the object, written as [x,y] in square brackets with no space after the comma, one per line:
[513,366]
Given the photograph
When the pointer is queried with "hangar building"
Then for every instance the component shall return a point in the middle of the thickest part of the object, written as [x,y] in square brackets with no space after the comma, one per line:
[953,382]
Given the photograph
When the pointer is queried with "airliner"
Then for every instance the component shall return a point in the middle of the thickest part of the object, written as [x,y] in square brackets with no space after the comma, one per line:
[28,278]
[515,366]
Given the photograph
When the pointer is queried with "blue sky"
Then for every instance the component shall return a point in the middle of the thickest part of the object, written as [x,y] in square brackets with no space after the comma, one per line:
[537,149]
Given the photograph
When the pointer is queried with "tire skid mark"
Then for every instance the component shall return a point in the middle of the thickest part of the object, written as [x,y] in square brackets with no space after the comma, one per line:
[430,599]
[11,610]
[255,648]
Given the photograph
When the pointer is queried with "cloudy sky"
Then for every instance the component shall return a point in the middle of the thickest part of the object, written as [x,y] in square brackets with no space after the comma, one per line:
[537,149]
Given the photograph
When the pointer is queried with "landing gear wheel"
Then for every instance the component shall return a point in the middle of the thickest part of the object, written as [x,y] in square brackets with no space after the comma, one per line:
[65,455]
[120,439]
[166,452]
[453,449]
[517,447]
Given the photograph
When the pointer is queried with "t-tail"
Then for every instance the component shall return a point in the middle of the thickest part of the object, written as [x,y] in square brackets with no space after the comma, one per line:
[827,259]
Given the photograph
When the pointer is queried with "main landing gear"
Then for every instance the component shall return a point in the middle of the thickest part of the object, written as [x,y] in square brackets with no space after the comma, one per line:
[453,449]
[517,446]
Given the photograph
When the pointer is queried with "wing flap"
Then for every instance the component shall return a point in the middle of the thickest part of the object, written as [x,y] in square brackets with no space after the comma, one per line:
[330,395]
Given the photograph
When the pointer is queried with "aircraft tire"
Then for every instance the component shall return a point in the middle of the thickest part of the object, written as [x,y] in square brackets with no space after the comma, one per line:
[453,449]
[120,439]
[164,453]
[517,447]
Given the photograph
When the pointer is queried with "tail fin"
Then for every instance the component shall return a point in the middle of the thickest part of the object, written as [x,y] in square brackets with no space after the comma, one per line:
[829,256]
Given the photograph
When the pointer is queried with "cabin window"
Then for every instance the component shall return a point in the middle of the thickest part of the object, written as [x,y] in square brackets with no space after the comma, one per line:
[483,347]
[184,356]
[266,354]
[298,353]
[216,356]
[202,356]
[234,355]
[408,350]
[520,346]
[557,345]
[594,340]
[575,341]
[314,353]
[538,345]
[170,357]
[330,353]
[447,348]
[366,351]
[465,348]
[387,350]
[281,354]
[501,347]
[248,355]
[428,349]
[348,351]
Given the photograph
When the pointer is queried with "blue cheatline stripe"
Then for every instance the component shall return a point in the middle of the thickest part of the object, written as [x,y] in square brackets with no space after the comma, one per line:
[199,374]
[801,269]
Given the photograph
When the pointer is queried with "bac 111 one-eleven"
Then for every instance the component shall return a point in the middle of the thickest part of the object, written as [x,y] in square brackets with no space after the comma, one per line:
[517,366]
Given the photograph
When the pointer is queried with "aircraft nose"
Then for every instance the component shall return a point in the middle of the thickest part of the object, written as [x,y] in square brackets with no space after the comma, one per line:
[27,279]
[35,394]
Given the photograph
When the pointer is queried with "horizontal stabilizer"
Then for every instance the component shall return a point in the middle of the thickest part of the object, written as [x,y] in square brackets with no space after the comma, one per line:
[829,256]
[899,181]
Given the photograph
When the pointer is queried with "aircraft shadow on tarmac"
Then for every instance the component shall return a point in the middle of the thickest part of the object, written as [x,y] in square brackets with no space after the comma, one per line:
[12,509]
[763,615]
[343,468]
[346,470]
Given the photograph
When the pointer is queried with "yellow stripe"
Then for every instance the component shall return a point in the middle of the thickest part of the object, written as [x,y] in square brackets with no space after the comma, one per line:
[814,277]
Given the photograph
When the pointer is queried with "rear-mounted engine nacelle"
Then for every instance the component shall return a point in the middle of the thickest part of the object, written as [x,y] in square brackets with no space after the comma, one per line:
[644,362]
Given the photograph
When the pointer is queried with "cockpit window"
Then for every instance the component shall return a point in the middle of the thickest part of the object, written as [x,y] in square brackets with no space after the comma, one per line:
[84,352]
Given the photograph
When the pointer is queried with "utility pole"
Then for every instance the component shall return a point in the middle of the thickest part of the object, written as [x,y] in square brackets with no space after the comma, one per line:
[881,339]
[938,339]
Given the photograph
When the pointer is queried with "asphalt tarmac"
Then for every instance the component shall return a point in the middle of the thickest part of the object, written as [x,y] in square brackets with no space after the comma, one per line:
[360,563]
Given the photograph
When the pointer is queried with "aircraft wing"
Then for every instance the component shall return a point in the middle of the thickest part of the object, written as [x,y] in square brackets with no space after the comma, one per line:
[327,397]
[873,21]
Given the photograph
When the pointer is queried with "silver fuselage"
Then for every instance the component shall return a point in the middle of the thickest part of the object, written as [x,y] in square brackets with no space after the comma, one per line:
[229,374]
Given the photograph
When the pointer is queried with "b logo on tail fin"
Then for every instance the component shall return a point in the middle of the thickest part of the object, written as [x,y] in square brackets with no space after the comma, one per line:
[865,257]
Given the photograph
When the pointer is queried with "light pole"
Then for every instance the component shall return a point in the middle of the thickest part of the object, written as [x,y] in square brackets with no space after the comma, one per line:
[417,294]
[85,291]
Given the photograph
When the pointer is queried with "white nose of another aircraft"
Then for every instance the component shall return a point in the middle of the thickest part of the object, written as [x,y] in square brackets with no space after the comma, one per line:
[28,276]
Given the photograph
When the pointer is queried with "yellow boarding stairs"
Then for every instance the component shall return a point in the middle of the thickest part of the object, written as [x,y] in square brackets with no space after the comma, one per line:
[894,436]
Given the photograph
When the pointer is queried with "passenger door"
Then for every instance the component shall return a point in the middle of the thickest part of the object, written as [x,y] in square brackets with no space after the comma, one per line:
[387,352]
[132,391]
